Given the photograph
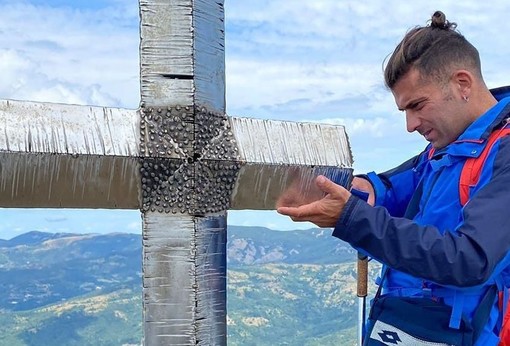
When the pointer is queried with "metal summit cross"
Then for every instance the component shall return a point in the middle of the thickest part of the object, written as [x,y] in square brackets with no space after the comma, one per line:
[178,158]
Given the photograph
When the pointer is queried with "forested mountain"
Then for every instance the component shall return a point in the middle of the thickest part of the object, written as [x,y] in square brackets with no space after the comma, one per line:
[284,288]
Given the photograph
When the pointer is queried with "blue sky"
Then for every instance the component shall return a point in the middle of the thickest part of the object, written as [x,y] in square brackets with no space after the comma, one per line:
[317,61]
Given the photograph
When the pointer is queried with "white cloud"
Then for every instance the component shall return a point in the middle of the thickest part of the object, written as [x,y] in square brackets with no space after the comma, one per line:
[69,55]
[56,217]
[322,61]
[324,52]
[134,226]
[279,83]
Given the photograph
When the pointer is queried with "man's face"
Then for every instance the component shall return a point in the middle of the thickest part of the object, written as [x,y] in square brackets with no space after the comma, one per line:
[437,112]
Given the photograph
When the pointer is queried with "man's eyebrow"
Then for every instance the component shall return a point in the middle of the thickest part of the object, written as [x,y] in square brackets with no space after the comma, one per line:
[412,104]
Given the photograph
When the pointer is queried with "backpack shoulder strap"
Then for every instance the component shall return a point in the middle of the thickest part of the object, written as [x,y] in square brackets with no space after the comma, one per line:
[431,152]
[472,169]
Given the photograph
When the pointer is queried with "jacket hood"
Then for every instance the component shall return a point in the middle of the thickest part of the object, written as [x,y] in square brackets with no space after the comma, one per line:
[501,92]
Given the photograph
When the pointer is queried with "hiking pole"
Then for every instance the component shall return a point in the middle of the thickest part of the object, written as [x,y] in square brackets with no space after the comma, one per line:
[362,290]
[362,280]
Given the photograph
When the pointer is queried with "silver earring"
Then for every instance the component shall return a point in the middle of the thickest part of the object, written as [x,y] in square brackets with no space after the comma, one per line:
[466,98]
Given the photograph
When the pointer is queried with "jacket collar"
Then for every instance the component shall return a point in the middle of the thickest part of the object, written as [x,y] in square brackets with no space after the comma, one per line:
[471,142]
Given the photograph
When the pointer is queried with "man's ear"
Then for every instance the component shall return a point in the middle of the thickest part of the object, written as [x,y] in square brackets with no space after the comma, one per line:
[463,81]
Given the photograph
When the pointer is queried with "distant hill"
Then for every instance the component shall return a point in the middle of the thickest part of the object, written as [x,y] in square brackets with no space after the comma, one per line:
[294,287]
[259,245]
[32,238]
[37,269]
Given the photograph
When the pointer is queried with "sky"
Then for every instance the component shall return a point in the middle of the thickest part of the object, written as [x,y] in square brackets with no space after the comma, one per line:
[313,61]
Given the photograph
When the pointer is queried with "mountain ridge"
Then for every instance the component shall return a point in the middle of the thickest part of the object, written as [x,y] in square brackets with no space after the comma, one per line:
[85,289]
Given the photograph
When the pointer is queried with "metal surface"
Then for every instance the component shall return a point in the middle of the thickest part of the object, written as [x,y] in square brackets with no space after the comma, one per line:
[33,127]
[55,155]
[184,279]
[179,159]
[183,92]
[182,53]
[291,143]
[281,157]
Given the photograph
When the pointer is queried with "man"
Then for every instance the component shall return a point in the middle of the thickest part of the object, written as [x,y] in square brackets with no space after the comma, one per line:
[433,244]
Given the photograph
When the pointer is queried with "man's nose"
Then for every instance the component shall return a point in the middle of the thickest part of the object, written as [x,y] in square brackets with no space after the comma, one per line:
[412,121]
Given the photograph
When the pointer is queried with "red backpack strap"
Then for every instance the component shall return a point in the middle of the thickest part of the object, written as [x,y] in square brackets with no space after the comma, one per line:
[431,152]
[472,169]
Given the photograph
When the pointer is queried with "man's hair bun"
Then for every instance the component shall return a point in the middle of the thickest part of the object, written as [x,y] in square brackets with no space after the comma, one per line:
[439,21]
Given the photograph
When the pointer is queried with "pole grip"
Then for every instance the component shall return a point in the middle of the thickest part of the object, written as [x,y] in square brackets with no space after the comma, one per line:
[362,283]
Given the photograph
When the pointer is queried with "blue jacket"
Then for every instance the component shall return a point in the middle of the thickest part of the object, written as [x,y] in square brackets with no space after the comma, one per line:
[447,250]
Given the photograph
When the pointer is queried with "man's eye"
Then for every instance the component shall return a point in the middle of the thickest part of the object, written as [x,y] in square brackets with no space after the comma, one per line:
[418,106]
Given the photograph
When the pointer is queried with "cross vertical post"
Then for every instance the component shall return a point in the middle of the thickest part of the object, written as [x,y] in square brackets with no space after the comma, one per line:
[184,206]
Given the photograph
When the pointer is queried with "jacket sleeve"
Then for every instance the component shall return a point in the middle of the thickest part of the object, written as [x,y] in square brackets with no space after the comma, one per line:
[475,252]
[394,188]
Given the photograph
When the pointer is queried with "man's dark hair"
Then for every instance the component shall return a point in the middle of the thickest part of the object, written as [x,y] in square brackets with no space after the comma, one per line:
[434,50]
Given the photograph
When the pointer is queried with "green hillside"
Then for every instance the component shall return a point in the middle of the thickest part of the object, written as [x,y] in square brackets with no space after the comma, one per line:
[107,319]
[284,288]
[292,305]
[271,304]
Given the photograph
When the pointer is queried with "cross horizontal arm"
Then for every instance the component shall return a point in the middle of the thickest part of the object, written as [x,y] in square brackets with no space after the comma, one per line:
[68,156]
[55,155]
[51,128]
[279,155]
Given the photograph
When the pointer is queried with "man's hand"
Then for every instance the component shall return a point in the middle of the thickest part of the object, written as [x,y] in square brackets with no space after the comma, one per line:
[324,212]
[365,186]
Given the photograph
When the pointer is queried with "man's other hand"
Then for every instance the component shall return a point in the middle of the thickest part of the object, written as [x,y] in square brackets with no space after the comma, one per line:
[324,212]
[365,186]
